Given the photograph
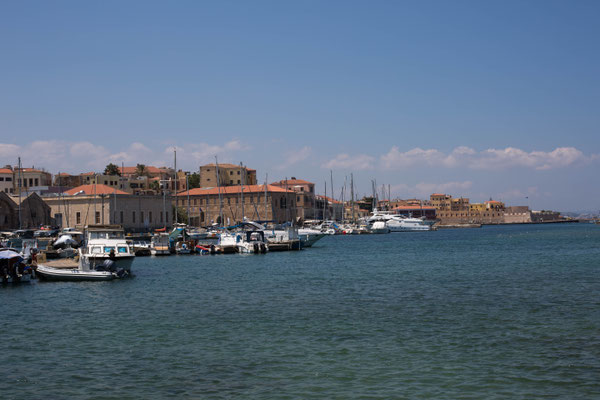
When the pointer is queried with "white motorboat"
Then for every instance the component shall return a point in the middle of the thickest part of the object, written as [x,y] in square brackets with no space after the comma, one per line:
[251,240]
[12,268]
[308,236]
[379,227]
[108,242]
[62,274]
[400,223]
[159,245]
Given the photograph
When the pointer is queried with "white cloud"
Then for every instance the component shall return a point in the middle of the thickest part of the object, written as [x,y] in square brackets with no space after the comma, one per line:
[345,161]
[296,156]
[487,159]
[76,157]
[424,189]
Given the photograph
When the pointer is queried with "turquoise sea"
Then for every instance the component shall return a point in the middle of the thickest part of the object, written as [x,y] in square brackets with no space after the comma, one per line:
[501,312]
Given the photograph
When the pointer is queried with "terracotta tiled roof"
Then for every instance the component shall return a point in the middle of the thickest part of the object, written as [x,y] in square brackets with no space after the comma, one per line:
[438,194]
[5,171]
[291,182]
[88,174]
[63,174]
[132,170]
[493,202]
[329,199]
[235,189]
[29,170]
[414,208]
[89,190]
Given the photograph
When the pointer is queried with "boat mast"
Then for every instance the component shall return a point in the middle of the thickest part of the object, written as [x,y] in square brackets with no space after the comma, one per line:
[187,187]
[352,195]
[175,166]
[20,186]
[332,195]
[266,180]
[219,190]
[242,191]
[325,203]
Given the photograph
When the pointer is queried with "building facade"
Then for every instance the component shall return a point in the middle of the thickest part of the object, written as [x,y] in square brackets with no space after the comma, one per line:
[205,206]
[29,179]
[229,175]
[7,184]
[85,205]
[306,203]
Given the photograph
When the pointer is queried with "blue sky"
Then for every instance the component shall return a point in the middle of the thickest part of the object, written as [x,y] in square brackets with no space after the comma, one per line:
[480,99]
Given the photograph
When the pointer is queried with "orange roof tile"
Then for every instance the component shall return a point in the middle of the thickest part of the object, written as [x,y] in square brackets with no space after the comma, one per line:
[234,189]
[5,171]
[132,170]
[293,182]
[414,208]
[90,190]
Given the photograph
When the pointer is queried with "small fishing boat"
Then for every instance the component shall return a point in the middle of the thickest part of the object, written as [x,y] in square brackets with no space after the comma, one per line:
[12,268]
[83,271]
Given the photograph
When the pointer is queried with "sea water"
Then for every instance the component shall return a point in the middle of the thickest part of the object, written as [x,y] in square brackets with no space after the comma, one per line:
[491,313]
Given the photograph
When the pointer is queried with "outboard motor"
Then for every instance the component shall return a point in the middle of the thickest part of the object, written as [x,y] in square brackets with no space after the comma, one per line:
[122,273]
[256,248]
[107,265]
[263,248]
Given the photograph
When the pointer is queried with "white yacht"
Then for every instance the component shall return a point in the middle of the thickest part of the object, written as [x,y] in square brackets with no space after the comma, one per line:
[308,236]
[245,241]
[107,242]
[400,223]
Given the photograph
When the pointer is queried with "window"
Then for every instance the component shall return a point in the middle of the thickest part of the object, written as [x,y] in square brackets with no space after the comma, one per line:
[121,216]
[97,217]
[133,217]
[231,182]
[230,172]
[78,217]
[1,179]
[107,249]
[238,181]
[8,179]
[238,172]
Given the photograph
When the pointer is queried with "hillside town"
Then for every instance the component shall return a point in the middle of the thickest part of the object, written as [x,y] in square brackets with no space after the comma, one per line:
[144,198]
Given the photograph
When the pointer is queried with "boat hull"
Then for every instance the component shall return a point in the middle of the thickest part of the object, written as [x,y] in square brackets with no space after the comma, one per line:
[120,261]
[56,274]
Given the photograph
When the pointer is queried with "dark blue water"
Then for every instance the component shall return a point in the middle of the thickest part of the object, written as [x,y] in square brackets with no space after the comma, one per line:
[498,312]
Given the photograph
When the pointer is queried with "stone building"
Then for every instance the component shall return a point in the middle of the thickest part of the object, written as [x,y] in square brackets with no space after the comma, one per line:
[7,180]
[260,203]
[27,179]
[229,175]
[34,212]
[66,180]
[458,211]
[305,197]
[517,215]
[101,204]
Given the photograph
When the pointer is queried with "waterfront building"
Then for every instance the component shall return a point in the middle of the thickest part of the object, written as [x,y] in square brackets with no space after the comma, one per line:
[517,215]
[33,211]
[306,206]
[260,203]
[416,211]
[229,175]
[92,178]
[31,179]
[102,204]
[7,180]
[66,180]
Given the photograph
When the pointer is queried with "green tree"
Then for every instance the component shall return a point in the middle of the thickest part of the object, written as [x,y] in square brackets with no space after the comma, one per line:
[182,216]
[141,170]
[112,169]
[194,180]
[154,185]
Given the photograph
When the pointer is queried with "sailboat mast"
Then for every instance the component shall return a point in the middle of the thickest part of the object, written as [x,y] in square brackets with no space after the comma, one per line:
[332,195]
[187,187]
[352,195]
[20,186]
[242,178]
[325,203]
[175,165]
[219,190]
[266,180]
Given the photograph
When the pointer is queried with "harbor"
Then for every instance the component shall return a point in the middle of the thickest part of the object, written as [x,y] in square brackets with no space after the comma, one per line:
[392,311]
